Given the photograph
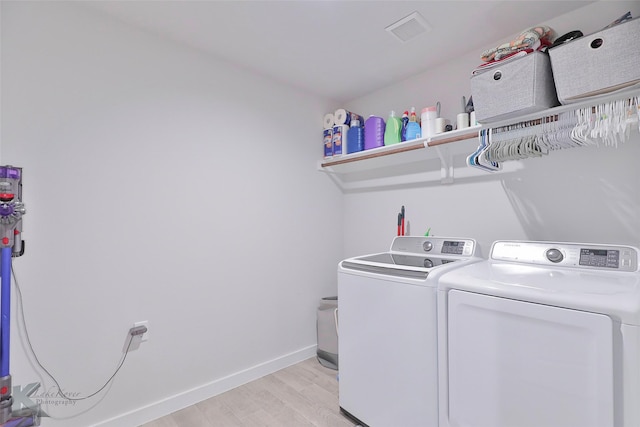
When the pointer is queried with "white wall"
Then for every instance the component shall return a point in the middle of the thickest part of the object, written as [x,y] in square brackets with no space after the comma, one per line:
[576,195]
[160,185]
[164,185]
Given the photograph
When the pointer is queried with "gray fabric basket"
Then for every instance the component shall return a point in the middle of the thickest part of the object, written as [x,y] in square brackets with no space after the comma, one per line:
[521,86]
[598,63]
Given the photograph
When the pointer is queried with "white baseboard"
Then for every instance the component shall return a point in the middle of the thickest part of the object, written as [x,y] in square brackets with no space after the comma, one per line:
[190,397]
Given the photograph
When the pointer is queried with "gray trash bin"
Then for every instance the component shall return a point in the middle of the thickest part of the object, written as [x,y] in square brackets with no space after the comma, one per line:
[327,326]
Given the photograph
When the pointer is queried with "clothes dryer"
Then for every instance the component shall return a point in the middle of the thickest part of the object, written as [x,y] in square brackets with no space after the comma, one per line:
[541,334]
[387,330]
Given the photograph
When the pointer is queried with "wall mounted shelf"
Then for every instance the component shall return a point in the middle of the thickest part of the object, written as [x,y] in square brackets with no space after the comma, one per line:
[438,158]
[396,164]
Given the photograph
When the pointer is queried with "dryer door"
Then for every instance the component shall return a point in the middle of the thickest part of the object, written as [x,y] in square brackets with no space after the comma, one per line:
[514,363]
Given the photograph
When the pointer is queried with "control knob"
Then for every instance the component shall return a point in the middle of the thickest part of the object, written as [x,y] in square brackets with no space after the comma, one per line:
[427,246]
[428,263]
[554,255]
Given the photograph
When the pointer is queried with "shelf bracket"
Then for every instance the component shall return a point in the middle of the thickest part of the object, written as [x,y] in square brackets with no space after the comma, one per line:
[446,164]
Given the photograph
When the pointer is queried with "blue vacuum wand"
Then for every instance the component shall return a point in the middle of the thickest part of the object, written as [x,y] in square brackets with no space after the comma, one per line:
[11,244]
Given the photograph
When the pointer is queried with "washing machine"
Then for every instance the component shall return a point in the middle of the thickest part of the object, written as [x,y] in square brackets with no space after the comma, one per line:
[541,334]
[387,330]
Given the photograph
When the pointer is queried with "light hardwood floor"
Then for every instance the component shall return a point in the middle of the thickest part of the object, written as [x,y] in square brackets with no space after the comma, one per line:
[302,395]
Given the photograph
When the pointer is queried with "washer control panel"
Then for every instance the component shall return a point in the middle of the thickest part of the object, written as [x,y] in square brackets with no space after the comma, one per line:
[582,255]
[435,246]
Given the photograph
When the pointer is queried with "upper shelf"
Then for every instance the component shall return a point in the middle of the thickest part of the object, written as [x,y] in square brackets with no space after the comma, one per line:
[400,153]
[433,158]
[409,162]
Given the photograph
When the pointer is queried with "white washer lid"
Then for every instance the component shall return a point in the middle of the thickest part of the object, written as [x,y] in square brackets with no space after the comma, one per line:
[400,273]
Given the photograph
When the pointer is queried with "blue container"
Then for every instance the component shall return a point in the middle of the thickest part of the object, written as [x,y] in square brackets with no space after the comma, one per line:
[413,131]
[355,137]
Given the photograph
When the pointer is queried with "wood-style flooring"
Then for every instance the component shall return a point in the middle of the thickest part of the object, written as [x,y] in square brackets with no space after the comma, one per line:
[302,395]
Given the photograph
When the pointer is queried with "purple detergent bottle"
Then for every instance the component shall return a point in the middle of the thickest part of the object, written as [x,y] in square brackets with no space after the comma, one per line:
[374,128]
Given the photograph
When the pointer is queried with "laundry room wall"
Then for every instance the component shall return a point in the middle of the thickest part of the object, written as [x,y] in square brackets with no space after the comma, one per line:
[585,194]
[162,185]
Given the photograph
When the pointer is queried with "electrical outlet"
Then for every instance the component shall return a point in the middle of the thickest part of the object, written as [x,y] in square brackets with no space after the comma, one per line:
[144,337]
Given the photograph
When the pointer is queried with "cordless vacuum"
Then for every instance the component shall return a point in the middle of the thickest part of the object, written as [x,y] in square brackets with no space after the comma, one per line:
[11,244]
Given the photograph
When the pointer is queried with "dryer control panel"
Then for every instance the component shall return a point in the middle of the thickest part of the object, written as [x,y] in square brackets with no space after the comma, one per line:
[579,255]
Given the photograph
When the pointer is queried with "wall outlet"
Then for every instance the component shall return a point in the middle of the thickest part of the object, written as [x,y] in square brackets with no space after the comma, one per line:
[144,337]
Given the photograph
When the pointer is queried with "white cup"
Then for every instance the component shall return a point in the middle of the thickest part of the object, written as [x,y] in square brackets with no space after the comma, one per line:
[441,124]
[472,119]
[463,120]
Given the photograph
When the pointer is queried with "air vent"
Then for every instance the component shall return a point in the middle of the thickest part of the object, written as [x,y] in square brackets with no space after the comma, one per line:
[409,27]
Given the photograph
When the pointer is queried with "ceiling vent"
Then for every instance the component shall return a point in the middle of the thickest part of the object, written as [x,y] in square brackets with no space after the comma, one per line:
[409,27]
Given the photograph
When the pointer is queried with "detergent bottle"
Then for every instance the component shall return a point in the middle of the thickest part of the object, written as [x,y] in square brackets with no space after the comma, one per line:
[413,128]
[393,129]
[405,122]
[374,128]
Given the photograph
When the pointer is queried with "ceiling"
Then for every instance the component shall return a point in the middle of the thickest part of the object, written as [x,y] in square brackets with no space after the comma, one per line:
[336,49]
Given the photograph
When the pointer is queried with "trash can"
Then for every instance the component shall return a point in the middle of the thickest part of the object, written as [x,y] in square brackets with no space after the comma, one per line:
[327,329]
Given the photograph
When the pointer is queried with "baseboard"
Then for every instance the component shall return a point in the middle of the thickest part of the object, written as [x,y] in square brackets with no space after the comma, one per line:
[190,397]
